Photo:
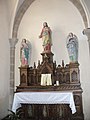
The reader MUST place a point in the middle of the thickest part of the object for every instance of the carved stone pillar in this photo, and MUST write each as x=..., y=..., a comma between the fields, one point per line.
x=13, y=42
x=87, y=33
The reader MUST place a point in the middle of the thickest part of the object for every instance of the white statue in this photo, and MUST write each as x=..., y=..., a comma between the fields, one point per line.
x=72, y=46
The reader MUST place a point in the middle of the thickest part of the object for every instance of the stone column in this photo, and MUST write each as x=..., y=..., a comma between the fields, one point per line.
x=87, y=33
x=13, y=42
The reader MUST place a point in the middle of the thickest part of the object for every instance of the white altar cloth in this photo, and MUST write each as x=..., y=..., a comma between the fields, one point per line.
x=46, y=79
x=43, y=98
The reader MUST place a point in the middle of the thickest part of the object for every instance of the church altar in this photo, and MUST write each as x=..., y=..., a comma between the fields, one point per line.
x=50, y=91
x=43, y=98
x=35, y=80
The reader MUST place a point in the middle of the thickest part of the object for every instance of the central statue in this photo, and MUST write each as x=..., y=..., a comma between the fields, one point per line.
x=46, y=37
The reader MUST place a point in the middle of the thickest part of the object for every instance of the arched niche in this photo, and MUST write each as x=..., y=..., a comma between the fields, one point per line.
x=62, y=16
x=81, y=22
x=22, y=8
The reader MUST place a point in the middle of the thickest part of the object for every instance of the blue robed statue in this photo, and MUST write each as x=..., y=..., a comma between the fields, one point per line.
x=72, y=46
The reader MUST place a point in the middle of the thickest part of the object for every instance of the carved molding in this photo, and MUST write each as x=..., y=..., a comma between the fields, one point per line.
x=49, y=88
x=87, y=33
x=13, y=42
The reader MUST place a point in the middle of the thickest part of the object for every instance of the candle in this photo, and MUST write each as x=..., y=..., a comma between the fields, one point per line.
x=57, y=83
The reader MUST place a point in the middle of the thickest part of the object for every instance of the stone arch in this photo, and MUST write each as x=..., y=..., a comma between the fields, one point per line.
x=25, y=5
x=80, y=8
x=21, y=11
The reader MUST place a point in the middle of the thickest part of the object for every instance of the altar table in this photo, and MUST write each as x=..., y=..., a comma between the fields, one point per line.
x=43, y=98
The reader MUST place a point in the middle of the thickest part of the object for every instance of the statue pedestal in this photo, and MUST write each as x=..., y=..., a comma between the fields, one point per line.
x=24, y=72
x=48, y=56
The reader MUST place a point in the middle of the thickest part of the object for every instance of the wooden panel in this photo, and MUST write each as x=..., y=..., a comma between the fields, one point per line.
x=69, y=79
